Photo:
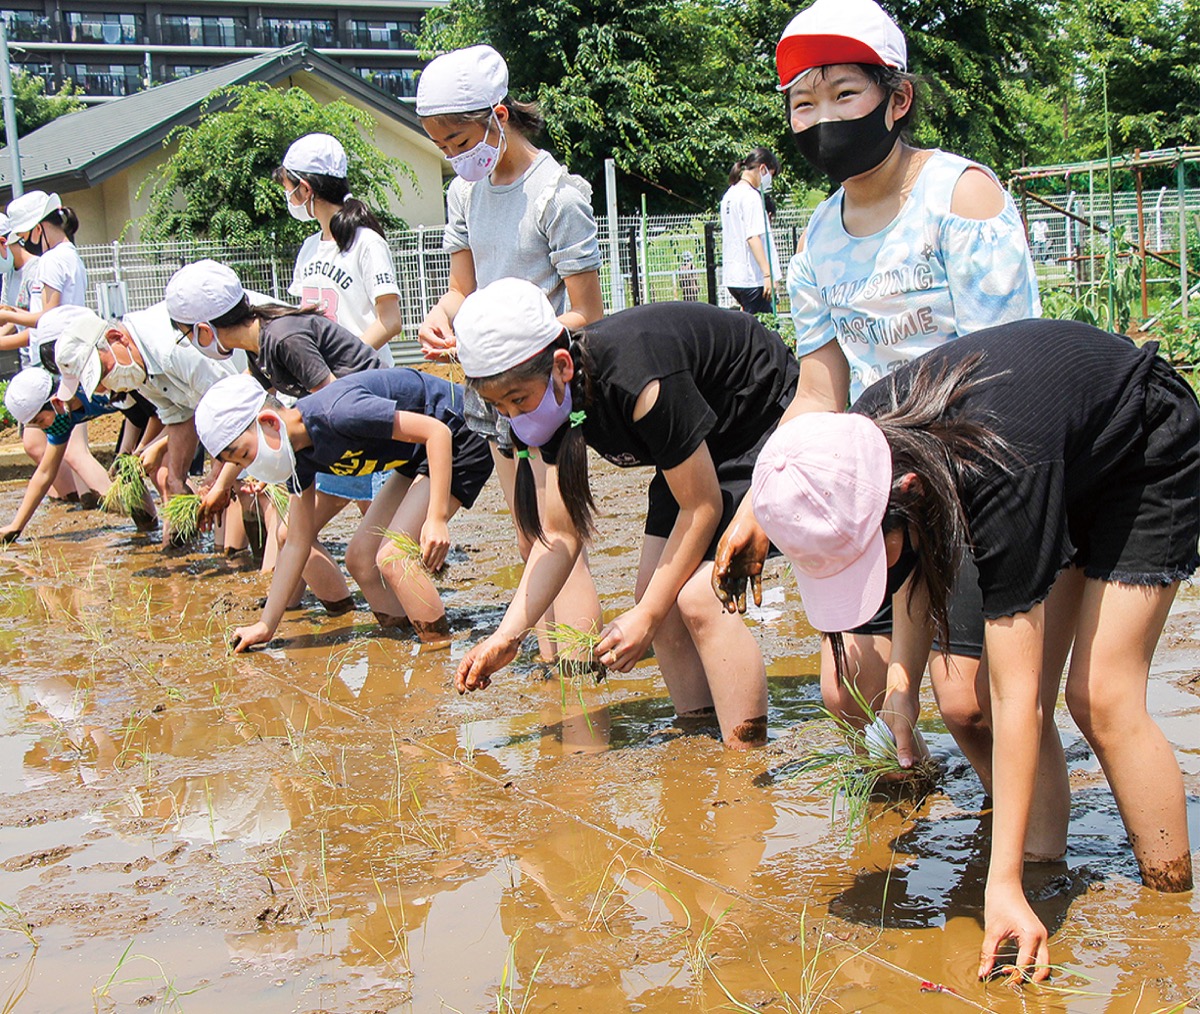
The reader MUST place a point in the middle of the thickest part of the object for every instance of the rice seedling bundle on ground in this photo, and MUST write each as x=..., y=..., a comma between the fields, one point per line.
x=853, y=773
x=182, y=512
x=128, y=488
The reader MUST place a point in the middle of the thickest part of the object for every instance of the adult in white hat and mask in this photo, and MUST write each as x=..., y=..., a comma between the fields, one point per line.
x=915, y=249
x=511, y=211
x=142, y=353
x=686, y=388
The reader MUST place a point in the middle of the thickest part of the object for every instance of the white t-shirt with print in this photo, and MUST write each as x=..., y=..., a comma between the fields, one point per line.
x=346, y=283
x=742, y=217
x=63, y=270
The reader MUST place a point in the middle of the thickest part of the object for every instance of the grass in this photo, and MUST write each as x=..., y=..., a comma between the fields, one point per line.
x=128, y=489
x=508, y=1000
x=852, y=773
x=171, y=996
x=182, y=513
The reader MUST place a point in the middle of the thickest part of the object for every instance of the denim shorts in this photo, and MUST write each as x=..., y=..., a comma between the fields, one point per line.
x=351, y=487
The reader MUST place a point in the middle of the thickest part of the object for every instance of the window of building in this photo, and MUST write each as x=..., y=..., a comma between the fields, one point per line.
x=175, y=71
x=382, y=34
x=110, y=28
x=30, y=26
x=400, y=83
x=106, y=79
x=289, y=31
x=202, y=30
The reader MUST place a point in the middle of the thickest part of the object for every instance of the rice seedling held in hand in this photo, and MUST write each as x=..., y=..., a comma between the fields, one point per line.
x=853, y=775
x=577, y=659
x=182, y=512
x=128, y=489
x=406, y=551
x=279, y=498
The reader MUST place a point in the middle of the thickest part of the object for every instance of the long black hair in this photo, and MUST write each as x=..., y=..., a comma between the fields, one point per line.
x=244, y=311
x=352, y=214
x=568, y=444
x=932, y=440
x=758, y=157
x=66, y=219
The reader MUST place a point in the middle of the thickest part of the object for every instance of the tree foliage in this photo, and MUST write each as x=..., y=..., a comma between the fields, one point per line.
x=217, y=184
x=34, y=108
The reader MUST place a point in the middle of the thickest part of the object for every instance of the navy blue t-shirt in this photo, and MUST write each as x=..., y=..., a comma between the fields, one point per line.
x=350, y=422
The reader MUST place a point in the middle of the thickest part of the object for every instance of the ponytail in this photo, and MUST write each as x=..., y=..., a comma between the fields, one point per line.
x=66, y=219
x=758, y=157
x=352, y=214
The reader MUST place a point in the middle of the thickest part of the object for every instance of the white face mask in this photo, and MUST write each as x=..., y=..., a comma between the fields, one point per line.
x=477, y=162
x=764, y=180
x=299, y=211
x=123, y=376
x=273, y=464
x=214, y=349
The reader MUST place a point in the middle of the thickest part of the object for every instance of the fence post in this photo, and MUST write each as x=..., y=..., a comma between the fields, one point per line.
x=116, y=252
x=1183, y=244
x=421, y=268
x=615, y=279
x=1141, y=227
x=710, y=260
x=274, y=270
x=635, y=287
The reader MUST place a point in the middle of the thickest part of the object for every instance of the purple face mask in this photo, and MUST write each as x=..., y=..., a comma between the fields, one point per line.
x=537, y=427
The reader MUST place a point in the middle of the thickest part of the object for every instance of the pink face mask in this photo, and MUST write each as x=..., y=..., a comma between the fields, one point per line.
x=537, y=427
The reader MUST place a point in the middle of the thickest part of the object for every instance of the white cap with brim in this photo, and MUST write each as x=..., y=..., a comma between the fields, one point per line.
x=503, y=324
x=30, y=208
x=76, y=355
x=27, y=393
x=463, y=81
x=317, y=153
x=52, y=323
x=202, y=291
x=227, y=410
x=838, y=31
x=5, y=226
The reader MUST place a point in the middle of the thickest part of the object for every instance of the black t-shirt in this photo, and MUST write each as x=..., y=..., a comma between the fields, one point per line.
x=1068, y=398
x=723, y=378
x=297, y=352
x=350, y=422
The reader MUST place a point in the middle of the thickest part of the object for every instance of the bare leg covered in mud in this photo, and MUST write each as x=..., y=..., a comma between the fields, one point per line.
x=1118, y=629
x=708, y=657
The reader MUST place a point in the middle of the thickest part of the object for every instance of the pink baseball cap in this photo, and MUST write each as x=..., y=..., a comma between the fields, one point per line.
x=820, y=490
x=838, y=31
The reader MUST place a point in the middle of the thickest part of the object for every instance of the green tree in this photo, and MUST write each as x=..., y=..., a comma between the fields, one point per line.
x=218, y=183
x=34, y=107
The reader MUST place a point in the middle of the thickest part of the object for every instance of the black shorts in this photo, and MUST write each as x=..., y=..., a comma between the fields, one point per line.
x=966, y=615
x=733, y=478
x=752, y=299
x=1143, y=527
x=471, y=469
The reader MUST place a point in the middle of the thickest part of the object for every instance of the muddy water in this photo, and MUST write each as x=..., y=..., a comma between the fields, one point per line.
x=326, y=826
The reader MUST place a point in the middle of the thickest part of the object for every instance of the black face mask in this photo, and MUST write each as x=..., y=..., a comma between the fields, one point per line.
x=33, y=247
x=845, y=148
x=898, y=573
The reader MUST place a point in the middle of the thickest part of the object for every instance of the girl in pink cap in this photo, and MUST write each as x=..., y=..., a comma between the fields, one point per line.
x=915, y=249
x=1068, y=460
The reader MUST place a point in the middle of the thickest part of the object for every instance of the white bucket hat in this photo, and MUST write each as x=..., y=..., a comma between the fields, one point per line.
x=503, y=324
x=27, y=392
x=462, y=82
x=202, y=291
x=317, y=153
x=30, y=208
x=227, y=410
x=76, y=355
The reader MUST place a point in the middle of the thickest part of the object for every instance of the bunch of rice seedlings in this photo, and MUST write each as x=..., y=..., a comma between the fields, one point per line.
x=182, y=512
x=128, y=488
x=576, y=659
x=852, y=774
x=279, y=498
x=406, y=551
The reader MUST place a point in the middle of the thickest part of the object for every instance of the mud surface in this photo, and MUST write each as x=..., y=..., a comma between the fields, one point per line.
x=326, y=826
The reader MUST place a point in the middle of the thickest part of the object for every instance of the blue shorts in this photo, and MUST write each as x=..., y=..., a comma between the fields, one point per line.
x=351, y=487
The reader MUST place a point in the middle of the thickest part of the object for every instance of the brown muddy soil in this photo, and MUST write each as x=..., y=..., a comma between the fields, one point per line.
x=326, y=826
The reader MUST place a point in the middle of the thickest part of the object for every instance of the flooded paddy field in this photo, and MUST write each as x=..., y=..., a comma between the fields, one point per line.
x=326, y=826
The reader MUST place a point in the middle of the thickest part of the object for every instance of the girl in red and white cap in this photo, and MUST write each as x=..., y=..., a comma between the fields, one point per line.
x=1068, y=460
x=916, y=248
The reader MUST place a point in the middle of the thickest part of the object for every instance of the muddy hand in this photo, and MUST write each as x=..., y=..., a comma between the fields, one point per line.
x=739, y=561
x=437, y=339
x=8, y=535
x=245, y=638
x=899, y=715
x=476, y=668
x=1007, y=916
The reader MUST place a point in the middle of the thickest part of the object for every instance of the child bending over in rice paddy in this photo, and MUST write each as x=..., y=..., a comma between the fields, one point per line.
x=686, y=388
x=399, y=421
x=1068, y=461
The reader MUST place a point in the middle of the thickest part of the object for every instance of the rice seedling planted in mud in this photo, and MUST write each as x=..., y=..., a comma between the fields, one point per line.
x=128, y=488
x=182, y=512
x=853, y=772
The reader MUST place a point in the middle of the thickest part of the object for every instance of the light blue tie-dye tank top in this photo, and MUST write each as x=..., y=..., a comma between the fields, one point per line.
x=927, y=278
